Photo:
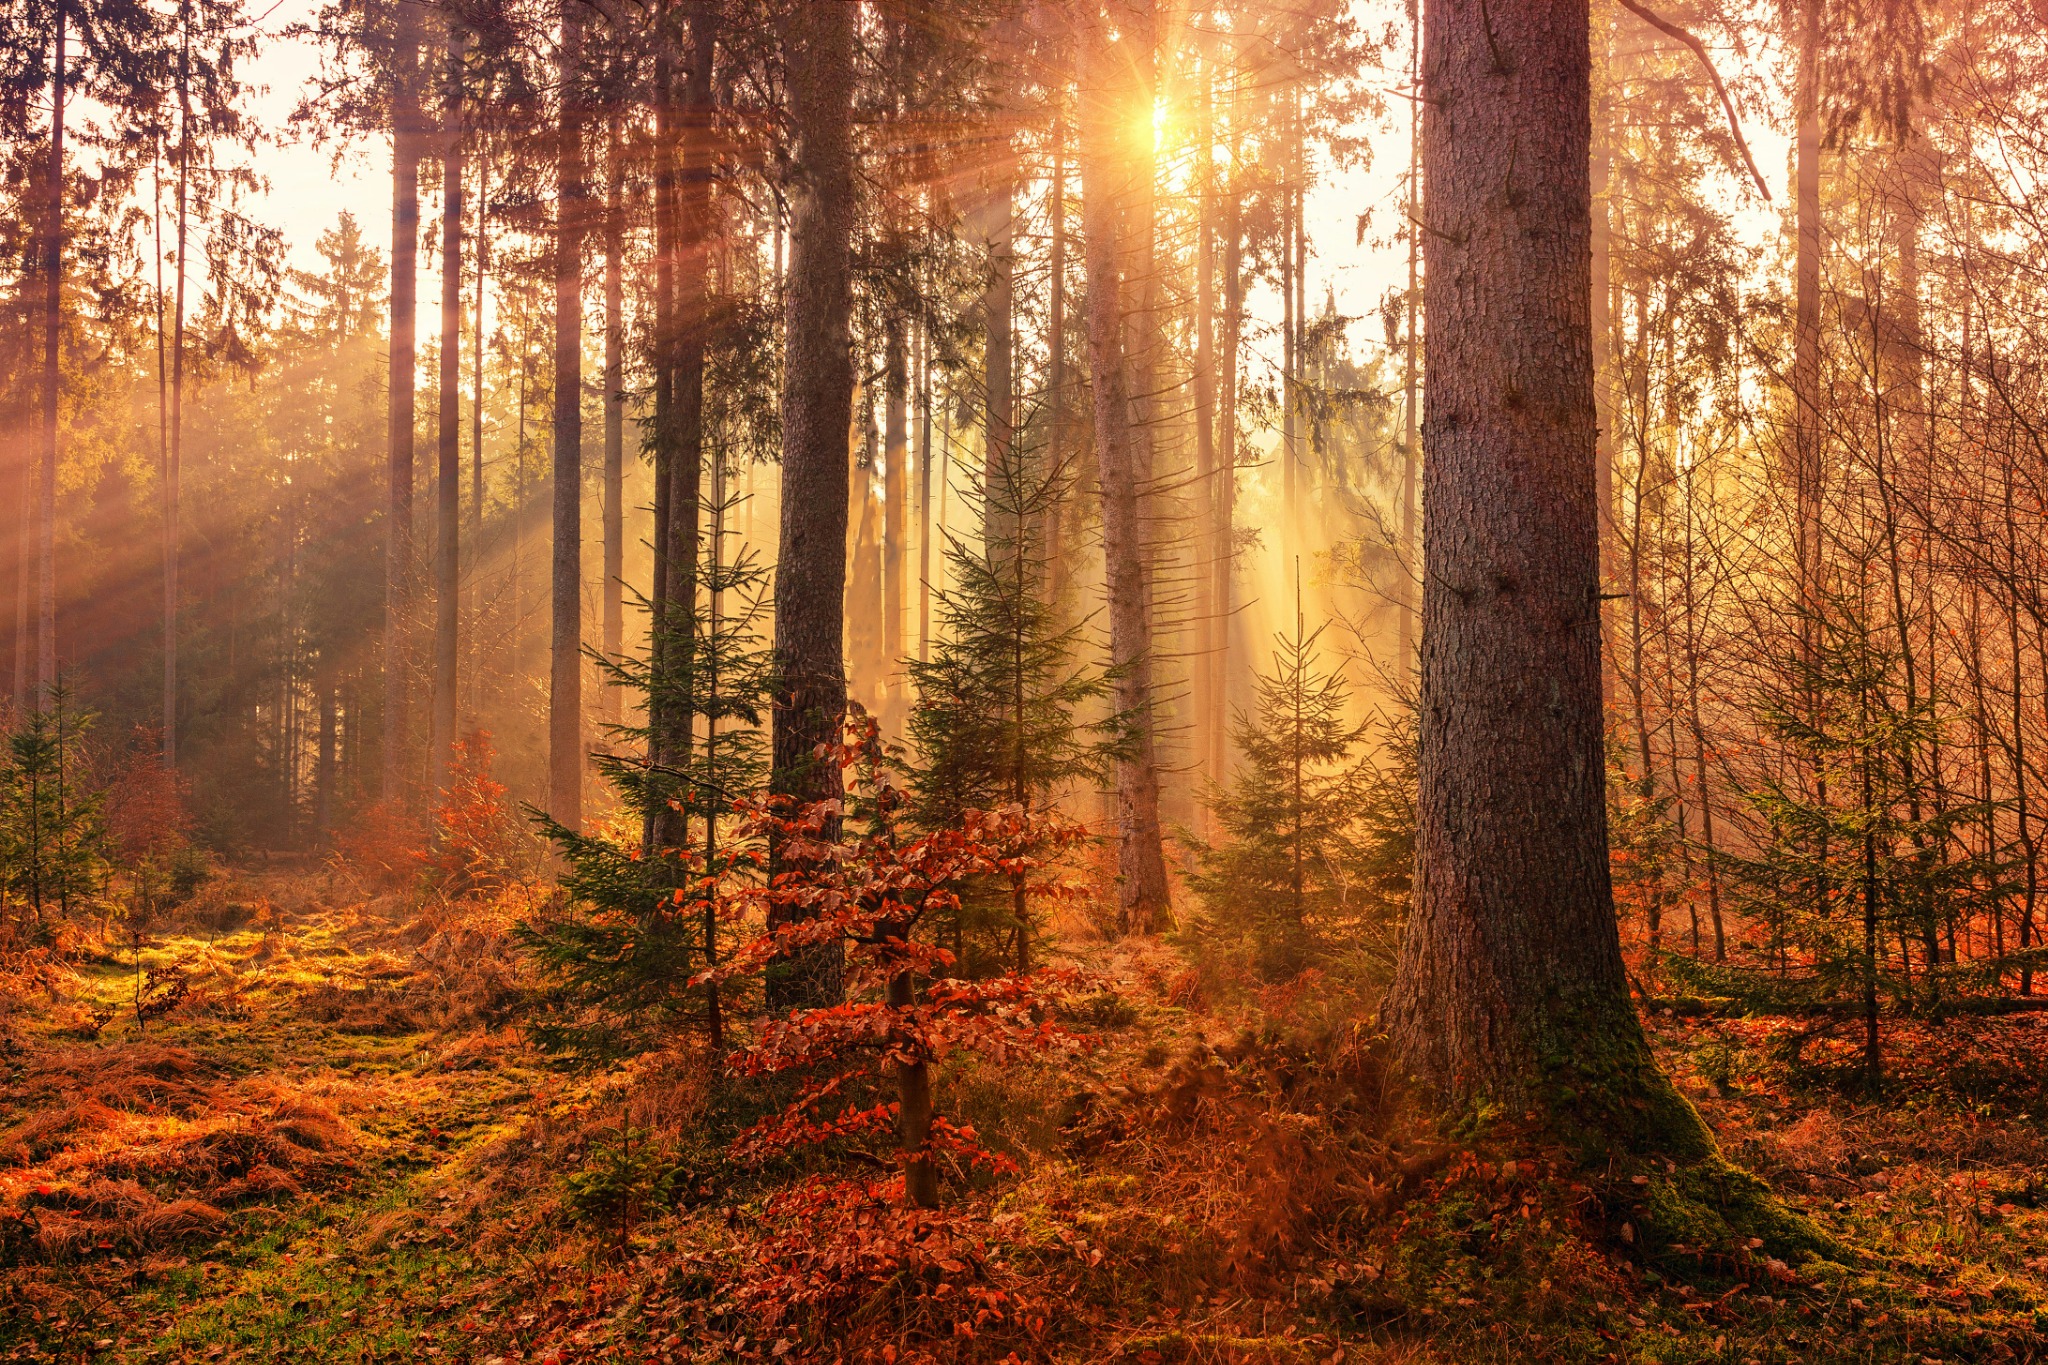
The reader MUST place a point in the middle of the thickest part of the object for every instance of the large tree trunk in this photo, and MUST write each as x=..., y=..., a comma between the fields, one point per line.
x=565, y=660
x=817, y=411
x=405, y=245
x=1108, y=179
x=1510, y=985
x=53, y=330
x=448, y=485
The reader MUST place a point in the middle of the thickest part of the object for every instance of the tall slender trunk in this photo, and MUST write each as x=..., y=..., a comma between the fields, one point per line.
x=1056, y=356
x=1203, y=382
x=998, y=300
x=657, y=829
x=398, y=536
x=1696, y=724
x=1512, y=963
x=924, y=495
x=448, y=481
x=1110, y=178
x=174, y=453
x=817, y=411
x=476, y=425
x=1226, y=453
x=896, y=483
x=682, y=436
x=1290, y=473
x=53, y=328
x=1806, y=425
x=324, y=764
x=1411, y=450
x=614, y=592
x=565, y=655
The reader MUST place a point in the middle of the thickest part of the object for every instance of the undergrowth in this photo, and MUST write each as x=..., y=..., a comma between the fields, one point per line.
x=339, y=1146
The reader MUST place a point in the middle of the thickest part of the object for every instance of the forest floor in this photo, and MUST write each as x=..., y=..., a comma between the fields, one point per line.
x=333, y=1143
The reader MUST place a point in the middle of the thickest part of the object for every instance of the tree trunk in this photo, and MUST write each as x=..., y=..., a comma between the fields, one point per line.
x=1056, y=359
x=1510, y=985
x=914, y=1109
x=174, y=450
x=1226, y=451
x=448, y=484
x=565, y=671
x=324, y=765
x=1411, y=451
x=817, y=411
x=896, y=484
x=924, y=495
x=1806, y=426
x=53, y=330
x=476, y=426
x=1603, y=236
x=405, y=243
x=1108, y=180
x=682, y=435
x=613, y=594
x=1203, y=383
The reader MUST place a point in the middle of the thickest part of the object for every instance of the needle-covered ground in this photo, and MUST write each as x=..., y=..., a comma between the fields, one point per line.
x=327, y=1139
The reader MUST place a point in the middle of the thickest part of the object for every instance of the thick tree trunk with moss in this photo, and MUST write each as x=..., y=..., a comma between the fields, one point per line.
x=1511, y=988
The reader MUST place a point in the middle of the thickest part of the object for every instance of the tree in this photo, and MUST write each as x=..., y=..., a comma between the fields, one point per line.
x=565, y=652
x=53, y=845
x=1849, y=847
x=996, y=721
x=448, y=480
x=407, y=139
x=632, y=951
x=817, y=410
x=1111, y=181
x=1510, y=989
x=1298, y=870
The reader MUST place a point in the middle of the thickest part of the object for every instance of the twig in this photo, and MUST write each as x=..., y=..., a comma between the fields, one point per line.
x=1665, y=26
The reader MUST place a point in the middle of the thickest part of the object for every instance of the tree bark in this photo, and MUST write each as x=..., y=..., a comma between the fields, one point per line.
x=1806, y=433
x=398, y=538
x=1107, y=182
x=682, y=435
x=817, y=412
x=53, y=330
x=448, y=508
x=895, y=487
x=1226, y=449
x=1510, y=985
x=565, y=671
x=613, y=595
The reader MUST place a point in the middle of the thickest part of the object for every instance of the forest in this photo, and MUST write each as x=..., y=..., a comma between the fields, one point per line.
x=1014, y=681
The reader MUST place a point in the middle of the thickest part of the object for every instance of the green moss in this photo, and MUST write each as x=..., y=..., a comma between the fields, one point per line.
x=1712, y=1203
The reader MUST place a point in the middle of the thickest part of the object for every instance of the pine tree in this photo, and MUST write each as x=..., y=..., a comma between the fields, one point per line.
x=635, y=927
x=53, y=843
x=997, y=720
x=1317, y=836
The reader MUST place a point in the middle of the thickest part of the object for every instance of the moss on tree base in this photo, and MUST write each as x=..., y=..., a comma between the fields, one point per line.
x=1598, y=1093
